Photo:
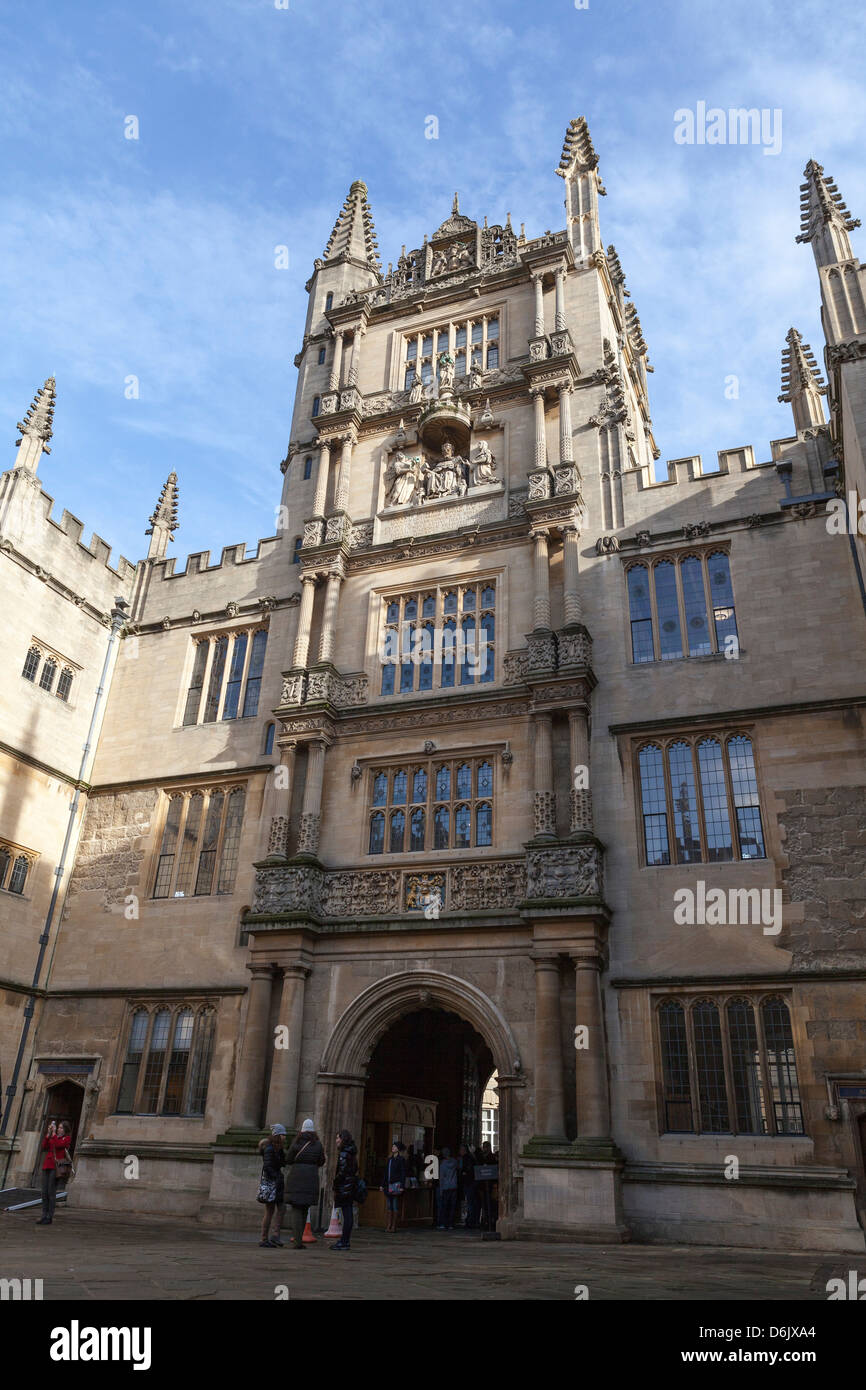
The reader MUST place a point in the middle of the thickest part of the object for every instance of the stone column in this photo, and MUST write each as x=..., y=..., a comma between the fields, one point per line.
x=549, y=1097
x=283, y=1091
x=542, y=581
x=329, y=617
x=593, y=1103
x=559, y=321
x=341, y=500
x=305, y=618
x=566, y=444
x=355, y=357
x=545, y=797
x=538, y=282
x=337, y=364
x=280, y=799
x=250, y=1075
x=571, y=575
x=537, y=394
x=311, y=810
x=581, y=797
x=321, y=493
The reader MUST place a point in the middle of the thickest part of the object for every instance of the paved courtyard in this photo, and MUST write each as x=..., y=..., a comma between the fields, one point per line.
x=91, y=1255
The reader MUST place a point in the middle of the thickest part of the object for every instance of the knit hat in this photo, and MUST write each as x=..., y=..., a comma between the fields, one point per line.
x=308, y=1127
x=278, y=1129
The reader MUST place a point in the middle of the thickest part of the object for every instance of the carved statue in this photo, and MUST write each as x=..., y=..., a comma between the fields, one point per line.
x=447, y=477
x=446, y=371
x=483, y=465
x=476, y=376
x=416, y=393
x=405, y=481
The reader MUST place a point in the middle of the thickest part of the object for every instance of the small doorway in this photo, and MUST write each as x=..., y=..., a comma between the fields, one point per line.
x=63, y=1101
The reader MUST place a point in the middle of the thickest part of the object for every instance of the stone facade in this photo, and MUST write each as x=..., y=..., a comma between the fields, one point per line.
x=275, y=832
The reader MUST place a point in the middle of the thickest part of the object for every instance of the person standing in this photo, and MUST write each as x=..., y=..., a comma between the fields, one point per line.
x=448, y=1168
x=395, y=1184
x=345, y=1185
x=272, y=1150
x=54, y=1147
x=304, y=1159
x=468, y=1185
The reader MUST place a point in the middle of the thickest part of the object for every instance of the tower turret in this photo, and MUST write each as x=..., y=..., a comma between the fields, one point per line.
x=802, y=385
x=824, y=219
x=578, y=165
x=164, y=520
x=36, y=428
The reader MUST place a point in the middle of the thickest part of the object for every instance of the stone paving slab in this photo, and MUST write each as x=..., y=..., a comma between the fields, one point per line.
x=87, y=1255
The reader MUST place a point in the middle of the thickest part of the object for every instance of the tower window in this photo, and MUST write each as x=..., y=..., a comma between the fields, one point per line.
x=329, y=301
x=198, y=852
x=308, y=467
x=229, y=666
x=296, y=553
x=443, y=812
x=669, y=600
x=705, y=789
x=317, y=401
x=321, y=355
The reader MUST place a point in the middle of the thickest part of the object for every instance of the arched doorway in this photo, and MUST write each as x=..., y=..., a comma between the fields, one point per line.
x=63, y=1101
x=409, y=1034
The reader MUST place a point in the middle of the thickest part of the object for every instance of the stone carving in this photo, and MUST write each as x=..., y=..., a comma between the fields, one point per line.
x=804, y=510
x=474, y=887
x=294, y=688
x=538, y=349
x=755, y=519
x=485, y=419
x=361, y=894
x=166, y=624
x=544, y=813
x=580, y=809
x=343, y=692
x=422, y=889
x=541, y=652
x=606, y=545
x=539, y=485
x=356, y=773
x=295, y=888
x=308, y=833
x=482, y=465
x=429, y=746
x=575, y=648
x=406, y=480
x=694, y=529
x=564, y=871
x=458, y=256
x=350, y=399
x=335, y=529
x=361, y=535
x=312, y=534
x=447, y=477
x=560, y=343
x=516, y=500
x=515, y=667
x=443, y=514
x=565, y=479
x=232, y=609
x=642, y=537
x=278, y=837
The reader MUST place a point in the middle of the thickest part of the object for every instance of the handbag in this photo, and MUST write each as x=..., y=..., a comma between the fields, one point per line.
x=395, y=1189
x=267, y=1190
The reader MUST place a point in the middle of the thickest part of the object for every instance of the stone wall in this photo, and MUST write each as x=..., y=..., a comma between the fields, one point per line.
x=113, y=844
x=825, y=843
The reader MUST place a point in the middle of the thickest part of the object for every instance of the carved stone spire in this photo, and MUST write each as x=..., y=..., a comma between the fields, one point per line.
x=354, y=235
x=824, y=219
x=578, y=165
x=802, y=385
x=36, y=428
x=164, y=520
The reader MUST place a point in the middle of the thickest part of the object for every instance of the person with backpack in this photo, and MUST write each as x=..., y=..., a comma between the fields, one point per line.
x=55, y=1146
x=304, y=1159
x=448, y=1172
x=271, y=1185
x=345, y=1185
x=395, y=1184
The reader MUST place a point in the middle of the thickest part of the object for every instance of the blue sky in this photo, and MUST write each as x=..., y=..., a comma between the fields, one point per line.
x=155, y=257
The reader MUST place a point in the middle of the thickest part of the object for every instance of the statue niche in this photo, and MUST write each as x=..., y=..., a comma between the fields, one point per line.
x=413, y=481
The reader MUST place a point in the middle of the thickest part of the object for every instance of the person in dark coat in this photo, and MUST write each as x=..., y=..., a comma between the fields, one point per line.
x=345, y=1185
x=304, y=1159
x=396, y=1172
x=273, y=1155
x=468, y=1186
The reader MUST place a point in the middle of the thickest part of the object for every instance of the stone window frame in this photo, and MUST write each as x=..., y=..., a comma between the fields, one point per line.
x=677, y=557
x=12, y=856
x=200, y=1038
x=187, y=854
x=63, y=667
x=429, y=763
x=693, y=738
x=380, y=600
x=189, y=704
x=766, y=1104
x=403, y=362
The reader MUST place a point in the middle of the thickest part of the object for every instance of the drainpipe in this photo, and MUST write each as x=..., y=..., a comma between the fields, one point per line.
x=118, y=619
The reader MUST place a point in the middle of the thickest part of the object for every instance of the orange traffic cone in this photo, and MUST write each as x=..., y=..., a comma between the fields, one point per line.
x=335, y=1229
x=308, y=1238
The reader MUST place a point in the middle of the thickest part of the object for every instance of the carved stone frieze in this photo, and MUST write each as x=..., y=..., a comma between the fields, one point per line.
x=606, y=545
x=575, y=647
x=566, y=479
x=422, y=719
x=564, y=871
x=336, y=528
x=312, y=534
x=278, y=837
x=541, y=651
x=294, y=688
x=693, y=530
x=361, y=535
x=539, y=485
x=515, y=667
x=423, y=890
x=474, y=887
x=516, y=499
x=295, y=888
x=580, y=809
x=365, y=894
x=308, y=833
x=544, y=813
x=343, y=692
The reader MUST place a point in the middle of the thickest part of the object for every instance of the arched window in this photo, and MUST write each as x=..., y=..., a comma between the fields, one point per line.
x=18, y=876
x=189, y=841
x=64, y=684
x=667, y=608
x=5, y=861
x=715, y=799
x=747, y=809
x=467, y=666
x=296, y=552
x=722, y=598
x=687, y=830
x=236, y=671
x=449, y=645
x=483, y=823
x=193, y=698
x=168, y=848
x=329, y=301
x=416, y=830
x=710, y=1067
x=317, y=401
x=449, y=601
x=750, y=1111
x=380, y=789
x=178, y=1062
x=254, y=674
x=132, y=1062
x=201, y=1060
x=231, y=840
x=398, y=831
x=782, y=1066
x=640, y=613
x=31, y=664
x=308, y=467
x=377, y=833
x=398, y=791
x=155, y=1063
x=487, y=651
x=695, y=605
x=654, y=805
x=443, y=783
x=462, y=827
x=676, y=1085
x=321, y=355
x=441, y=827
x=484, y=779
x=464, y=780
x=270, y=730
x=492, y=356
x=49, y=670
x=428, y=607
x=217, y=671
x=419, y=785
x=208, y=845
x=425, y=669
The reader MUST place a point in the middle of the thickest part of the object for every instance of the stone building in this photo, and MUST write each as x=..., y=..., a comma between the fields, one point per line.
x=500, y=755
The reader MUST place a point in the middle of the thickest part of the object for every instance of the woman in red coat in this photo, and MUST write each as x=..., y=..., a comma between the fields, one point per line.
x=55, y=1145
